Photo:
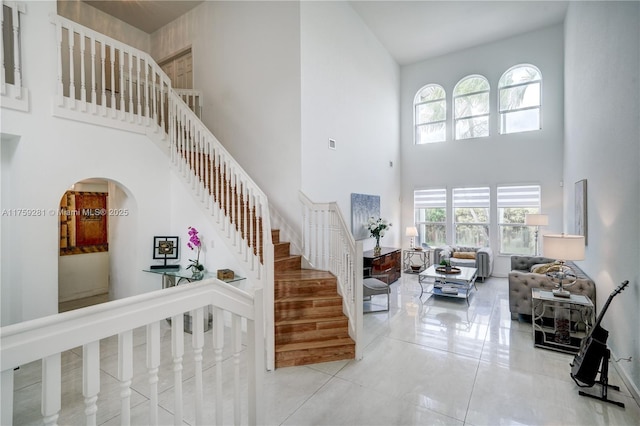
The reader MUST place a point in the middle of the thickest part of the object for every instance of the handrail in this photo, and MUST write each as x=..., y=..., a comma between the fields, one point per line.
x=327, y=244
x=46, y=338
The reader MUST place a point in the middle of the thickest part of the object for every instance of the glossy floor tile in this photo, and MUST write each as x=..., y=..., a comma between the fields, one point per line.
x=427, y=361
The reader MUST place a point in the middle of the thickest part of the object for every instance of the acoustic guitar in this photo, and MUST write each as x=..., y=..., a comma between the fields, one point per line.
x=586, y=363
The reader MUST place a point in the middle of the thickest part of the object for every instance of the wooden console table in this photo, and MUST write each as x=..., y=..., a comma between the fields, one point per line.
x=386, y=266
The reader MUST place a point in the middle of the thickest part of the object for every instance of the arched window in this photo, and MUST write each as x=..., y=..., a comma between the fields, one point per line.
x=519, y=99
x=430, y=109
x=471, y=107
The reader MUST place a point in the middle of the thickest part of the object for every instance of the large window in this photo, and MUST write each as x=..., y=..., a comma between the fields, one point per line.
x=471, y=107
x=430, y=207
x=513, y=203
x=430, y=114
x=519, y=99
x=471, y=216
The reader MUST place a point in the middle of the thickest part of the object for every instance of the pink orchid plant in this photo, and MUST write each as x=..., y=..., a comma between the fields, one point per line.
x=195, y=243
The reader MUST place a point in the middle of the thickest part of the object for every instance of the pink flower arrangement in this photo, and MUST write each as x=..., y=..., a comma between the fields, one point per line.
x=195, y=243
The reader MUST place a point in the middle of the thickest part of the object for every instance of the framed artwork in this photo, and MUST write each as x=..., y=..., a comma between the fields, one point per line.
x=83, y=223
x=581, y=209
x=363, y=207
x=165, y=248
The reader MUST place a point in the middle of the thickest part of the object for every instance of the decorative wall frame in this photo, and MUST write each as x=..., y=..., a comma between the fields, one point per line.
x=165, y=248
x=581, y=218
x=363, y=207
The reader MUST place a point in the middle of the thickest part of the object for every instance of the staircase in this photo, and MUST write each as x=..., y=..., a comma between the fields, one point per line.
x=310, y=326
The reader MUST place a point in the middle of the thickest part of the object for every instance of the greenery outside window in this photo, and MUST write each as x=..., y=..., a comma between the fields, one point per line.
x=513, y=203
x=471, y=108
x=519, y=99
x=430, y=109
x=430, y=210
x=471, y=216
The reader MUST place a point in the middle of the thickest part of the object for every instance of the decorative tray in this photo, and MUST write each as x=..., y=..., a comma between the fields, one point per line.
x=452, y=270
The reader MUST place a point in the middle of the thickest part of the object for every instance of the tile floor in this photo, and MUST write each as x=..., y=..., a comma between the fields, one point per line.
x=426, y=361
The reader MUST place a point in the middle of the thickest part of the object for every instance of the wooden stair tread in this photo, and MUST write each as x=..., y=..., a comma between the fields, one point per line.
x=307, y=298
x=298, y=274
x=343, y=341
x=309, y=320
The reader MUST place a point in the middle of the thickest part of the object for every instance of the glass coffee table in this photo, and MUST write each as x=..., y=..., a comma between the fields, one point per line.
x=457, y=282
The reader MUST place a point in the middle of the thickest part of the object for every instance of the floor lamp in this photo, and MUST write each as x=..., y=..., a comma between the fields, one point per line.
x=536, y=220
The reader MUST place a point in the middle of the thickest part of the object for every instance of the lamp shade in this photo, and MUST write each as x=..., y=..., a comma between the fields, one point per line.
x=411, y=231
x=536, y=219
x=563, y=246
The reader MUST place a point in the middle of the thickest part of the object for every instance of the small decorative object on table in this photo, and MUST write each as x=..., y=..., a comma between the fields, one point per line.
x=225, y=274
x=377, y=228
x=194, y=243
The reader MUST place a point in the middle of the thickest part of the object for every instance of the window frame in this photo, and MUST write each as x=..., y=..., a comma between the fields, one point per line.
x=455, y=96
x=417, y=125
x=467, y=203
x=502, y=113
x=439, y=201
x=527, y=205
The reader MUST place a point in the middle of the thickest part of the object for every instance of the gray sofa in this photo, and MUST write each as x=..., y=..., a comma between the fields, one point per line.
x=522, y=280
x=483, y=260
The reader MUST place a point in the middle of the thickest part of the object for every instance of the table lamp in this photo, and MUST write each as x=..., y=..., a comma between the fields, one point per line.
x=411, y=232
x=563, y=247
x=536, y=220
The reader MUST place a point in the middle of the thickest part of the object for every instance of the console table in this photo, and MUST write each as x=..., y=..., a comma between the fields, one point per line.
x=386, y=266
x=169, y=277
x=551, y=319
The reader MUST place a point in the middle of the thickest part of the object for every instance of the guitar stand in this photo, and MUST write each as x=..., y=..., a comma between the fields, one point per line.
x=604, y=382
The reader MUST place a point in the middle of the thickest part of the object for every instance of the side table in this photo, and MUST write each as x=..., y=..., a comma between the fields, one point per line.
x=560, y=323
x=416, y=258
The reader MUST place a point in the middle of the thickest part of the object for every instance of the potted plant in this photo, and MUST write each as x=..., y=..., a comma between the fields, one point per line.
x=197, y=269
x=377, y=228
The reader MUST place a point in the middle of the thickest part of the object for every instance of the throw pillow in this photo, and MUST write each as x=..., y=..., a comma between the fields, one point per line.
x=465, y=255
x=542, y=268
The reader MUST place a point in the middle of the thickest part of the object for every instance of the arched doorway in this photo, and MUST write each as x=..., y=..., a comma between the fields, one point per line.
x=86, y=230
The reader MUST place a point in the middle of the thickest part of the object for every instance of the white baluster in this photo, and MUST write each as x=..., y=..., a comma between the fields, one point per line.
x=122, y=85
x=94, y=99
x=6, y=403
x=177, y=350
x=236, y=324
x=140, y=90
x=17, y=71
x=91, y=379
x=130, y=76
x=72, y=83
x=255, y=361
x=60, y=93
x=125, y=373
x=153, y=362
x=103, y=72
x=218, y=345
x=51, y=389
x=3, y=78
x=112, y=65
x=83, y=86
x=197, y=335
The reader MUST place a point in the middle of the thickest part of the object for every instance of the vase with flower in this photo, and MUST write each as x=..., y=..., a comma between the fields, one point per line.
x=197, y=269
x=377, y=228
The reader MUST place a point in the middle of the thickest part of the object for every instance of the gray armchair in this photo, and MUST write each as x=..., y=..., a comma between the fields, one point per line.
x=483, y=258
x=372, y=286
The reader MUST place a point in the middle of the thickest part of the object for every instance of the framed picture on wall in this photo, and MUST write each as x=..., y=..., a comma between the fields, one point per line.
x=581, y=209
x=363, y=207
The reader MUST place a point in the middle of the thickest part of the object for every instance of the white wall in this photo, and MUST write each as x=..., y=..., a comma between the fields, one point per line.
x=603, y=146
x=522, y=158
x=246, y=60
x=350, y=94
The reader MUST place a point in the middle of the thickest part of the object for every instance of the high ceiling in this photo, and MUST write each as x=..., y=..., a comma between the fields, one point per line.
x=410, y=30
